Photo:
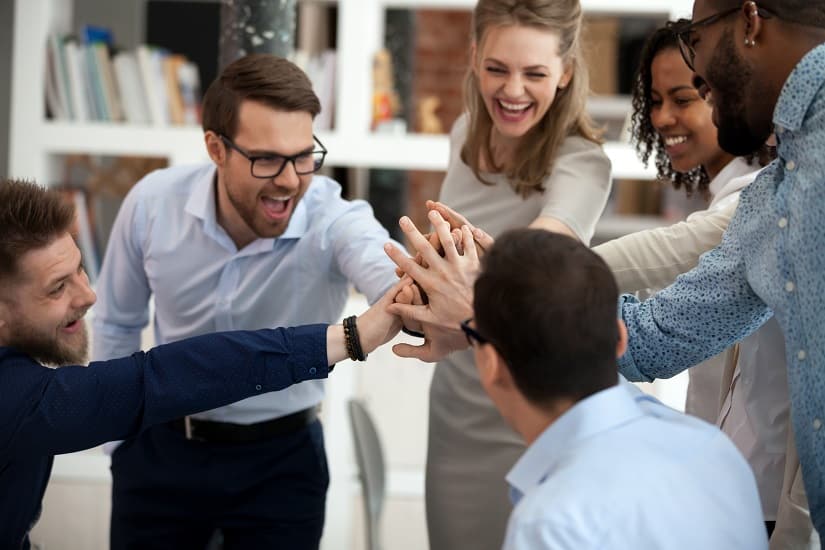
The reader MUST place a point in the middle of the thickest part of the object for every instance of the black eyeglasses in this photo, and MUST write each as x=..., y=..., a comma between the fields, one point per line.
x=471, y=333
x=684, y=30
x=271, y=166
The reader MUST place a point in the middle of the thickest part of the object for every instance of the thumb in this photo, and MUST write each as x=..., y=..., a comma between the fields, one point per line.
x=408, y=351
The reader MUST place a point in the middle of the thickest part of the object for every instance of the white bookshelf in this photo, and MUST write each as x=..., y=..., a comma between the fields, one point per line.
x=360, y=30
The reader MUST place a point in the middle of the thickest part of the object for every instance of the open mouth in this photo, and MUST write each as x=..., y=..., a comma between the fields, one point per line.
x=73, y=326
x=276, y=208
x=513, y=111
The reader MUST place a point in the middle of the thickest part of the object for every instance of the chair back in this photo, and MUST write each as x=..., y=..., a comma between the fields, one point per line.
x=370, y=458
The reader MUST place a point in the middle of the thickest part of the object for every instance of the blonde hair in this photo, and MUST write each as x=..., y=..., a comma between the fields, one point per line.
x=566, y=116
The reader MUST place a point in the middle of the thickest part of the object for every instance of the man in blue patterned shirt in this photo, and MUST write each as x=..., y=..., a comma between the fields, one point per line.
x=764, y=67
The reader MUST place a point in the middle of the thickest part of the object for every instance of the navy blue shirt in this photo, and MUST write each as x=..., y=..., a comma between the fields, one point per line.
x=46, y=411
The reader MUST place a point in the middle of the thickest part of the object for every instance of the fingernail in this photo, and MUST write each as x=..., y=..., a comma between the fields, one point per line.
x=404, y=222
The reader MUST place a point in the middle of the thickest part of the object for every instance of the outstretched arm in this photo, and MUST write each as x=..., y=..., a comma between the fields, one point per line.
x=71, y=408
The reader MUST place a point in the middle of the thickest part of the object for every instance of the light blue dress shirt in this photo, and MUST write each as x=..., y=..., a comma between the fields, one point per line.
x=166, y=243
x=620, y=470
x=771, y=260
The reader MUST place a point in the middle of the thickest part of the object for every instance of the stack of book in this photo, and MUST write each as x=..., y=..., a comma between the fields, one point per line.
x=148, y=85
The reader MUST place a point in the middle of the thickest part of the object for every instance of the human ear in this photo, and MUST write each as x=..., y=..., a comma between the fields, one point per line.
x=566, y=76
x=496, y=374
x=621, y=345
x=474, y=63
x=754, y=23
x=215, y=147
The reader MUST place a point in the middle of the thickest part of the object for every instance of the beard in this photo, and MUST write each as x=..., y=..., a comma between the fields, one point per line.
x=731, y=80
x=46, y=348
x=247, y=209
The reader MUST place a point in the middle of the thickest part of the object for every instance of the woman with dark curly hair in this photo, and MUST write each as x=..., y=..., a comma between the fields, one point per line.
x=744, y=389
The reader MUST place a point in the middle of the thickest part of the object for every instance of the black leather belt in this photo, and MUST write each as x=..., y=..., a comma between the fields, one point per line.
x=210, y=431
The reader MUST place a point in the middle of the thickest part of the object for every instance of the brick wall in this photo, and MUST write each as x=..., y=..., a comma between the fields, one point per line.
x=440, y=59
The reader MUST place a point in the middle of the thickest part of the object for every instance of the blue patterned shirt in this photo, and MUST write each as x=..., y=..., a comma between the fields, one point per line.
x=771, y=262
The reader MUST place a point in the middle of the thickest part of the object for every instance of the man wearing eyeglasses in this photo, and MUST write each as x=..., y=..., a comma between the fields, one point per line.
x=252, y=239
x=606, y=466
x=763, y=64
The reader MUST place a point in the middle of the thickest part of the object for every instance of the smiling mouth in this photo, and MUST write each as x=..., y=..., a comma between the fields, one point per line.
x=513, y=108
x=673, y=141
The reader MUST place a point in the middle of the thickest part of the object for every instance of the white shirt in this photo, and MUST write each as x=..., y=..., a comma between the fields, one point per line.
x=620, y=470
x=703, y=394
x=166, y=242
x=756, y=410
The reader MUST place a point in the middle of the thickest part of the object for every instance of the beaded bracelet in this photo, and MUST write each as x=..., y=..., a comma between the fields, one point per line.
x=353, y=342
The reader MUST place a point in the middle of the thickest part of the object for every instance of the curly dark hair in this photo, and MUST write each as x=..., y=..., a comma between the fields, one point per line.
x=647, y=140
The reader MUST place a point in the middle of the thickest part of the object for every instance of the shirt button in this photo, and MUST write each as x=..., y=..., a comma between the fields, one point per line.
x=258, y=387
x=801, y=355
x=789, y=286
x=817, y=424
x=783, y=222
x=790, y=165
x=313, y=370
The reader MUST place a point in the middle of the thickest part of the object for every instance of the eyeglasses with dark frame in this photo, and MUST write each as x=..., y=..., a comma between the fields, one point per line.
x=684, y=30
x=471, y=333
x=271, y=166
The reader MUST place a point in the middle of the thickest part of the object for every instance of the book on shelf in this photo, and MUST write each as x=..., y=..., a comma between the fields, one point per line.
x=147, y=85
x=58, y=98
x=127, y=75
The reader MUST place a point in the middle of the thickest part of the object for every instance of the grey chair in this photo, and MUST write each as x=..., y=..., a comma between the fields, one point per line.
x=370, y=459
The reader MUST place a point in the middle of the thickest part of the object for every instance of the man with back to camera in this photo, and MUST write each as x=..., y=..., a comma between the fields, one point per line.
x=44, y=296
x=607, y=466
x=249, y=240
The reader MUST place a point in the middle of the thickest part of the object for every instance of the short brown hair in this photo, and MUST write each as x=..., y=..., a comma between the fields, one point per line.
x=549, y=306
x=266, y=78
x=31, y=217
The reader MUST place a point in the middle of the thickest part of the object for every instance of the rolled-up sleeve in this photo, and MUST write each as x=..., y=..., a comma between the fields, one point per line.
x=704, y=311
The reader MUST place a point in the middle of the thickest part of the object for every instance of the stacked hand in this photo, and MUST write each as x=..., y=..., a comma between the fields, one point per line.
x=447, y=283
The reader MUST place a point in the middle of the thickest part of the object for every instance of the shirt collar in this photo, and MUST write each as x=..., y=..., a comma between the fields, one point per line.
x=736, y=175
x=800, y=90
x=201, y=204
x=593, y=415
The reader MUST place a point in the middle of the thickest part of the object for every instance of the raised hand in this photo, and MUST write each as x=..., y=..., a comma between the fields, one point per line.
x=483, y=240
x=447, y=282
